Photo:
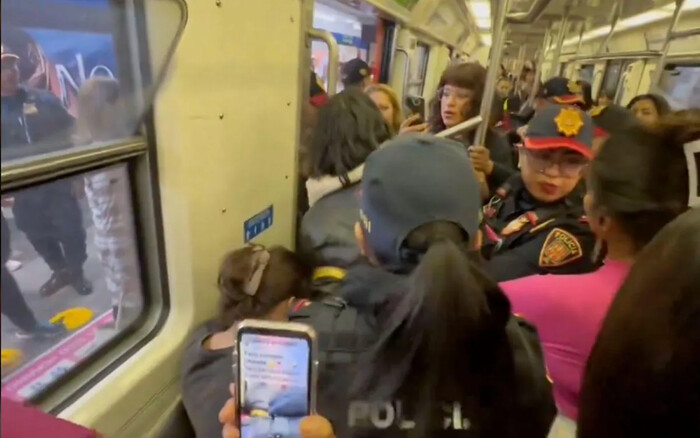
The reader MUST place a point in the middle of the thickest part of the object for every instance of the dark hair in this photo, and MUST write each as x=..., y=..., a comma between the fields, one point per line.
x=661, y=104
x=643, y=375
x=284, y=277
x=469, y=75
x=640, y=176
x=587, y=94
x=349, y=128
x=443, y=339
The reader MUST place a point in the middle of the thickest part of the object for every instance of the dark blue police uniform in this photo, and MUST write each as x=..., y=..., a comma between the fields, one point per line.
x=525, y=236
x=34, y=122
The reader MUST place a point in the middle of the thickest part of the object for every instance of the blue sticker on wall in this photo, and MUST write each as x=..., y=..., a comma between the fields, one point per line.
x=257, y=224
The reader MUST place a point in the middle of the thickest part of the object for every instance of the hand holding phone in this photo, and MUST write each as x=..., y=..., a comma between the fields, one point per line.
x=275, y=371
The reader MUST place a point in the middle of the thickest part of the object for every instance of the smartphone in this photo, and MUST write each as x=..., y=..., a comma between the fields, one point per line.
x=416, y=105
x=275, y=370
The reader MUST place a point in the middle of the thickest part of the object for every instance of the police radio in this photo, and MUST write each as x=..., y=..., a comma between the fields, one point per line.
x=275, y=370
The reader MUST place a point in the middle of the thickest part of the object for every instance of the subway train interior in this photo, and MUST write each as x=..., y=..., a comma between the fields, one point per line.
x=203, y=155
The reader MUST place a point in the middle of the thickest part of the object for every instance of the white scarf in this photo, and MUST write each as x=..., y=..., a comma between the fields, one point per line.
x=317, y=188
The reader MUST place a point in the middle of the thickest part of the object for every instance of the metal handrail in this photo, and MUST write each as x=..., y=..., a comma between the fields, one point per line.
x=499, y=34
x=560, y=42
x=638, y=54
x=333, y=57
x=406, y=70
x=658, y=72
x=616, y=11
x=465, y=126
x=536, y=10
x=538, y=67
x=685, y=33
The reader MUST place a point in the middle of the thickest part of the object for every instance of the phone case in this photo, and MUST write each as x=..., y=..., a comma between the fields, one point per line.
x=261, y=325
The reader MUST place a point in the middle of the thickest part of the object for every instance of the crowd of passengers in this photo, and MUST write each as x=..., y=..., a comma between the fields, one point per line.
x=548, y=281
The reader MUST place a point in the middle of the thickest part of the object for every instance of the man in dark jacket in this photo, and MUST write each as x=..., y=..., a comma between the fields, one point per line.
x=34, y=122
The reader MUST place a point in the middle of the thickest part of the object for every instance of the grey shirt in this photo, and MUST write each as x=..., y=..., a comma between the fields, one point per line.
x=205, y=379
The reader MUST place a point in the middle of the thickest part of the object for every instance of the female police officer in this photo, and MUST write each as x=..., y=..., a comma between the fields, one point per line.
x=535, y=223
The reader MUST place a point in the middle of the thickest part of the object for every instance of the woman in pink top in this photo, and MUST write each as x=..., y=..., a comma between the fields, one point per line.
x=637, y=183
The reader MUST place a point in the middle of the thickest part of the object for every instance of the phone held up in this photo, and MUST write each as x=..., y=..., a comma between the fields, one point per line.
x=275, y=369
x=416, y=105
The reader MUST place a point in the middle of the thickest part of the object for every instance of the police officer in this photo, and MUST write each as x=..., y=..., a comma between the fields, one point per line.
x=35, y=122
x=535, y=223
x=557, y=90
x=356, y=73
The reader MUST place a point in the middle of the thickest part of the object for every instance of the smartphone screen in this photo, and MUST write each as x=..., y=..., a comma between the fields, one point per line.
x=274, y=382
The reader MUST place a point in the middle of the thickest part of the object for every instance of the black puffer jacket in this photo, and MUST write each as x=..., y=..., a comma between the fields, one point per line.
x=353, y=325
x=328, y=227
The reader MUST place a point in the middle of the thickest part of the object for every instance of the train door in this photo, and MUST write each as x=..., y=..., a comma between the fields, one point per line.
x=358, y=33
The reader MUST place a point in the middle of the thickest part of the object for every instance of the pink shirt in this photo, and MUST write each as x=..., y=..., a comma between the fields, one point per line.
x=568, y=311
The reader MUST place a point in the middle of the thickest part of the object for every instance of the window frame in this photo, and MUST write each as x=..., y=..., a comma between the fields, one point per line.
x=140, y=155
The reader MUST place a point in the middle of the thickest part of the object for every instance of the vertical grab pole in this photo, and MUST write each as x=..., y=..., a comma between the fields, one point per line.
x=521, y=58
x=560, y=42
x=658, y=72
x=333, y=57
x=614, y=17
x=580, y=38
x=499, y=33
x=406, y=71
x=538, y=66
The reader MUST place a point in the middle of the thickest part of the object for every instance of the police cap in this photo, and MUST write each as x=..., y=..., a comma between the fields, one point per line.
x=411, y=181
x=557, y=126
x=563, y=91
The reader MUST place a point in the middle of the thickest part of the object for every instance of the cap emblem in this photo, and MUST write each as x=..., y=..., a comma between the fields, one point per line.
x=363, y=71
x=569, y=122
x=596, y=111
x=574, y=88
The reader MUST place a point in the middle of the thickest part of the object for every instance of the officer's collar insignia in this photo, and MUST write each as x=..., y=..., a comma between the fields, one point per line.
x=560, y=248
x=596, y=111
x=569, y=122
x=29, y=108
x=574, y=88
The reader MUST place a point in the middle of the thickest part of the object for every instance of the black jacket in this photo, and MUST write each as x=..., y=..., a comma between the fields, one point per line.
x=34, y=122
x=328, y=229
x=525, y=237
x=347, y=326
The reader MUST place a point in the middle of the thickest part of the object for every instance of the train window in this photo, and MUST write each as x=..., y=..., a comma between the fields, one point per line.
x=77, y=80
x=612, y=76
x=70, y=275
x=681, y=86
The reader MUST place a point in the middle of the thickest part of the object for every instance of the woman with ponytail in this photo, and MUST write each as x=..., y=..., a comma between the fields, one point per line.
x=637, y=183
x=254, y=282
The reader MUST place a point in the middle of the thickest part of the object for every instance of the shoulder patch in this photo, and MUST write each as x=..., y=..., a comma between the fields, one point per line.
x=560, y=248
